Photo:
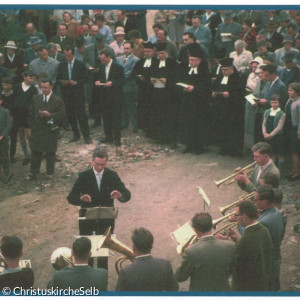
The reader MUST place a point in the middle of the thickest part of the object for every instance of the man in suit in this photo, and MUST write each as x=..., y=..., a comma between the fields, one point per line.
x=109, y=81
x=31, y=32
x=264, y=165
x=80, y=275
x=45, y=116
x=280, y=53
x=274, y=39
x=62, y=38
x=146, y=273
x=162, y=39
x=125, y=22
x=130, y=87
x=53, y=52
x=72, y=75
x=98, y=186
x=13, y=276
x=291, y=72
x=271, y=218
x=209, y=262
x=31, y=52
x=201, y=32
x=253, y=251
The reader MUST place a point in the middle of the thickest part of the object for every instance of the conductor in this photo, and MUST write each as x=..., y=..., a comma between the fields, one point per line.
x=98, y=186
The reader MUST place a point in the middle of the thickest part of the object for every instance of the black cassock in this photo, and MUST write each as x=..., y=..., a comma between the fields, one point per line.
x=228, y=114
x=195, y=109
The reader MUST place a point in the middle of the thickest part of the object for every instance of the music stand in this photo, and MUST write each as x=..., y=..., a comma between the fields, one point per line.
x=98, y=213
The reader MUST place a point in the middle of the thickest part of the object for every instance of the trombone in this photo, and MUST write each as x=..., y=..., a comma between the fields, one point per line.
x=225, y=228
x=231, y=179
x=229, y=206
x=217, y=221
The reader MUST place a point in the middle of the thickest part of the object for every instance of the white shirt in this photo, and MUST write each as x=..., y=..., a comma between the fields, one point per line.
x=147, y=63
x=261, y=168
x=25, y=87
x=273, y=82
x=47, y=97
x=274, y=111
x=98, y=176
x=224, y=80
x=70, y=67
x=11, y=58
x=107, y=68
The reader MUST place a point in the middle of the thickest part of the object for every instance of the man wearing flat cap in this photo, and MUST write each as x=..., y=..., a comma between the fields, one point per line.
x=31, y=53
x=280, y=53
x=290, y=73
x=195, y=100
x=228, y=110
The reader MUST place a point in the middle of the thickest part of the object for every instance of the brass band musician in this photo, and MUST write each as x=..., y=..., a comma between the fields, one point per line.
x=262, y=155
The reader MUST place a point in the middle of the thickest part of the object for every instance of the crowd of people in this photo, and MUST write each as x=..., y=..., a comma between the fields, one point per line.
x=223, y=78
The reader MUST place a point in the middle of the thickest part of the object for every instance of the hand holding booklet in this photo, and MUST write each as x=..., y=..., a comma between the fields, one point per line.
x=251, y=99
x=184, y=85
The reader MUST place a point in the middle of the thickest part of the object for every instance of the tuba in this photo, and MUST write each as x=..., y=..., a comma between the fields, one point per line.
x=112, y=243
x=61, y=258
x=231, y=179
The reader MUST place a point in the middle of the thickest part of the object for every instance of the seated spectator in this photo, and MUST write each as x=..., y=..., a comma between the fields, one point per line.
x=13, y=275
x=81, y=275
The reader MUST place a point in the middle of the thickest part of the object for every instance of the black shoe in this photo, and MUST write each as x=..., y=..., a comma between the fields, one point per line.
x=26, y=161
x=74, y=139
x=118, y=143
x=105, y=140
x=13, y=160
x=87, y=140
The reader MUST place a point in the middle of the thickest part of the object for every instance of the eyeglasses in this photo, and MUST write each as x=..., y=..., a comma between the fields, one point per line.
x=237, y=215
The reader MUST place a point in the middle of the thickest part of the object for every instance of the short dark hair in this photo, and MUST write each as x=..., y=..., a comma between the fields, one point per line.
x=100, y=153
x=275, y=97
x=262, y=148
x=271, y=179
x=142, y=239
x=202, y=222
x=271, y=68
x=106, y=52
x=80, y=41
x=190, y=34
x=83, y=17
x=63, y=24
x=248, y=208
x=278, y=196
x=262, y=44
x=247, y=21
x=81, y=248
x=42, y=76
x=41, y=48
x=66, y=12
x=11, y=247
x=129, y=42
x=265, y=193
x=165, y=32
x=46, y=80
x=196, y=17
x=69, y=48
x=29, y=73
x=134, y=33
x=7, y=80
x=295, y=87
x=157, y=25
x=99, y=17
x=51, y=45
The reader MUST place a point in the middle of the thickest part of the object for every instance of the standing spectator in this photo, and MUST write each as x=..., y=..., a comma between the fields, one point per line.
x=5, y=127
x=161, y=18
x=272, y=129
x=139, y=18
x=292, y=129
x=138, y=276
x=274, y=39
x=45, y=116
x=292, y=32
x=222, y=39
x=201, y=32
x=125, y=22
x=62, y=38
x=118, y=44
x=23, y=98
x=130, y=88
x=176, y=26
x=138, y=46
x=72, y=25
x=13, y=61
x=241, y=57
x=31, y=53
x=284, y=22
x=248, y=35
x=280, y=53
x=162, y=37
x=30, y=33
x=207, y=17
x=228, y=110
x=253, y=251
x=195, y=103
x=291, y=72
x=156, y=27
x=103, y=29
x=54, y=53
x=111, y=75
x=72, y=75
x=85, y=20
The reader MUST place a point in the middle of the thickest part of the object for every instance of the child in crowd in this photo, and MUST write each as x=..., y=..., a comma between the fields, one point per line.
x=272, y=129
x=5, y=126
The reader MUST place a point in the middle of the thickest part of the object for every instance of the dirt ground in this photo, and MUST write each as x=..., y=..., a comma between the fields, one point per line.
x=164, y=186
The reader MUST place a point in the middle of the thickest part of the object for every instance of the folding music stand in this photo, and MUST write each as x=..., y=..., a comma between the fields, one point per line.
x=98, y=213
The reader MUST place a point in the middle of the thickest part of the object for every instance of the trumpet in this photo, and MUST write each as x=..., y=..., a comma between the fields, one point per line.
x=229, y=206
x=231, y=179
x=225, y=228
x=192, y=240
x=217, y=221
x=61, y=258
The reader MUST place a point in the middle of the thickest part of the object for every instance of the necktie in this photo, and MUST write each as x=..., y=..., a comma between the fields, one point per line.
x=70, y=70
x=259, y=173
x=45, y=99
x=125, y=59
x=98, y=177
